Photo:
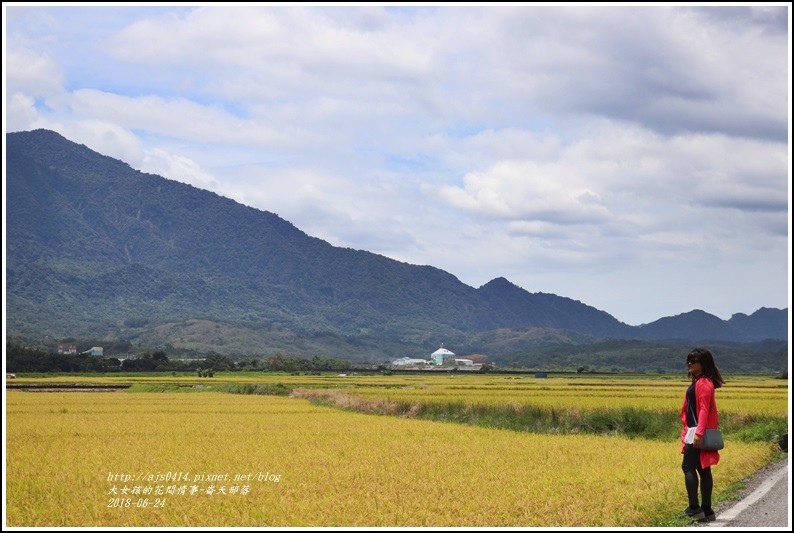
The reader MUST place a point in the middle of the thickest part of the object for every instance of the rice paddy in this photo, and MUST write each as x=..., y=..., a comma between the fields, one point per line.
x=141, y=458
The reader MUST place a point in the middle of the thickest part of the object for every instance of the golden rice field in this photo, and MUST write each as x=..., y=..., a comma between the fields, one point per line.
x=743, y=396
x=145, y=459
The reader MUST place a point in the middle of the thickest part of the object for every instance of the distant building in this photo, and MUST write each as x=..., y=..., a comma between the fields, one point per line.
x=442, y=356
x=407, y=361
x=95, y=351
x=463, y=362
x=475, y=358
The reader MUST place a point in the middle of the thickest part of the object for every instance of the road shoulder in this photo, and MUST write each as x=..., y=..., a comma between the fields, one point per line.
x=759, y=486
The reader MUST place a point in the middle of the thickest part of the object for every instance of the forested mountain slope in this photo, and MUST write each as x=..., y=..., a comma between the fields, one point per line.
x=97, y=248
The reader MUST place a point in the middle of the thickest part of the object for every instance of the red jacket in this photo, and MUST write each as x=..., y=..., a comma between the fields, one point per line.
x=707, y=418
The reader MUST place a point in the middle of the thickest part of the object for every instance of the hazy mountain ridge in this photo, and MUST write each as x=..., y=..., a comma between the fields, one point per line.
x=92, y=243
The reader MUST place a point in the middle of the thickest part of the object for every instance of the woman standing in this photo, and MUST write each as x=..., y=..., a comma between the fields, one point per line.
x=699, y=413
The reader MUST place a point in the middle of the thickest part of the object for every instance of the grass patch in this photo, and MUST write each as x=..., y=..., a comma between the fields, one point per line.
x=265, y=389
x=767, y=429
x=624, y=421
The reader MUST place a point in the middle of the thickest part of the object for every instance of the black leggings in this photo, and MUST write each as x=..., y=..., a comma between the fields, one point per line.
x=691, y=467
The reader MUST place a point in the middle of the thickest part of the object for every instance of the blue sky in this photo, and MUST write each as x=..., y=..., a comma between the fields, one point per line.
x=635, y=158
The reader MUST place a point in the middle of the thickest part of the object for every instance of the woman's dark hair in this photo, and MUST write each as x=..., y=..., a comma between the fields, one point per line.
x=706, y=360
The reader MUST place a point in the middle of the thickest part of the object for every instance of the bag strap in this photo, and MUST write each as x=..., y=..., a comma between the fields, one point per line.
x=693, y=413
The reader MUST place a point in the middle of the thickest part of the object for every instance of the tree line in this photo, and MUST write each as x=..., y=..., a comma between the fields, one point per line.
x=21, y=358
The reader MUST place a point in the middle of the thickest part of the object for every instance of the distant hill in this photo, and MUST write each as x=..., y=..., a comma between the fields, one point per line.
x=98, y=249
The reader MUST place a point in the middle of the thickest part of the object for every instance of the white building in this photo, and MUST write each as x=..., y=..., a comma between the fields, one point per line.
x=407, y=361
x=442, y=356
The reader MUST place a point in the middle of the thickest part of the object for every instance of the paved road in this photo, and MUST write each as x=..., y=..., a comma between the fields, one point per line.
x=764, y=503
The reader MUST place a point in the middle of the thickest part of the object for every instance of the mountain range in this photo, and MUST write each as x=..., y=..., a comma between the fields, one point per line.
x=96, y=249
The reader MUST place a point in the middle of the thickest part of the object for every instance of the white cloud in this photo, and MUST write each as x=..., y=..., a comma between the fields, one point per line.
x=20, y=112
x=35, y=74
x=527, y=190
x=175, y=117
x=106, y=138
x=178, y=168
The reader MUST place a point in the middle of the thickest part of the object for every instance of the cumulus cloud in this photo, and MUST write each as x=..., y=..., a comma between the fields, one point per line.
x=527, y=190
x=36, y=74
